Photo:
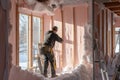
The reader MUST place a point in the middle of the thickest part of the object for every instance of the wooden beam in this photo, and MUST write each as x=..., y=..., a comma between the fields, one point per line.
x=114, y=0
x=115, y=8
x=106, y=58
x=75, y=37
x=118, y=14
x=41, y=29
x=103, y=30
x=111, y=4
x=30, y=37
x=112, y=50
x=63, y=36
x=17, y=36
x=116, y=11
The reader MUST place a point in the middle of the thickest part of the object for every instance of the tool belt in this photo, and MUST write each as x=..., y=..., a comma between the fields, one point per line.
x=46, y=49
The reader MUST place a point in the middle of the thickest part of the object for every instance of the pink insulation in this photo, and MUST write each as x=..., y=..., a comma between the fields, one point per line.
x=17, y=74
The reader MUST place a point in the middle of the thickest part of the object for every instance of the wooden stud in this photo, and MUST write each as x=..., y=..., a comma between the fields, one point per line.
x=52, y=21
x=75, y=37
x=112, y=47
x=63, y=36
x=115, y=8
x=111, y=4
x=103, y=30
x=30, y=42
x=42, y=34
x=118, y=14
x=106, y=56
x=17, y=35
x=117, y=11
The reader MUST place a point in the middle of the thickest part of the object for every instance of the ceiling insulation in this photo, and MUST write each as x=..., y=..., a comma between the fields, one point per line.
x=48, y=6
x=74, y=2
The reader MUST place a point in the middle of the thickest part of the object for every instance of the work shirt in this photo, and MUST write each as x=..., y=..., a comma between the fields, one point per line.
x=51, y=38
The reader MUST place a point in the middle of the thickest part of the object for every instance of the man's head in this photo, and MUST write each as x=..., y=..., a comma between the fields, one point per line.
x=55, y=29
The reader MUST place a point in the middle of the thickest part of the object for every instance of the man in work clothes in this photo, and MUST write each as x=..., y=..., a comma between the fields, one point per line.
x=47, y=50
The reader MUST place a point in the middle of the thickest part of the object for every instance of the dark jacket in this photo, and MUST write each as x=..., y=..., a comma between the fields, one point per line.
x=50, y=39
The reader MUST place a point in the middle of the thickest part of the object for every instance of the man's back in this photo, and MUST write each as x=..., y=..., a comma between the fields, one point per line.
x=50, y=38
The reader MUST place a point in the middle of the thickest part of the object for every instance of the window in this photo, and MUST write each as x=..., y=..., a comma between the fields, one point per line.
x=36, y=38
x=30, y=31
x=117, y=40
x=23, y=41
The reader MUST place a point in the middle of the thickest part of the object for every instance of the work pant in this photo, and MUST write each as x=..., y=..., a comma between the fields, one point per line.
x=49, y=57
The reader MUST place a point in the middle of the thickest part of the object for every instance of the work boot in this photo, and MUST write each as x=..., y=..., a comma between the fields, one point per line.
x=54, y=76
x=45, y=75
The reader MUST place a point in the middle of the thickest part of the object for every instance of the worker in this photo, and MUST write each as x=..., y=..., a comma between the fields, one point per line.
x=47, y=50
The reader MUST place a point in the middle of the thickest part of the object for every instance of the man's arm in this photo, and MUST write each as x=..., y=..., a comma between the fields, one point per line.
x=59, y=39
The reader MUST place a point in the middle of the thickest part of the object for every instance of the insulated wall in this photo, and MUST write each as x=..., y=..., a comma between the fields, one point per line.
x=71, y=22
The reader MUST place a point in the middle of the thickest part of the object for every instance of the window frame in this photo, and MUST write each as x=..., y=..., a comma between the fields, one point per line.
x=30, y=35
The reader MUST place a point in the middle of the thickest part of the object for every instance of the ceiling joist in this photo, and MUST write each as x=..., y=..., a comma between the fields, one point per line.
x=113, y=6
x=118, y=14
x=117, y=11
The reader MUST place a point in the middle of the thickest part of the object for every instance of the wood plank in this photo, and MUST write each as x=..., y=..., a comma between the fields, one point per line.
x=63, y=36
x=118, y=14
x=116, y=11
x=115, y=8
x=106, y=56
x=30, y=37
x=114, y=0
x=43, y=29
x=75, y=37
x=112, y=50
x=103, y=30
x=111, y=4
x=17, y=36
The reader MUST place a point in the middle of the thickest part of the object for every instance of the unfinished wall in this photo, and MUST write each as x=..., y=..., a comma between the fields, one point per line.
x=103, y=34
x=104, y=29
